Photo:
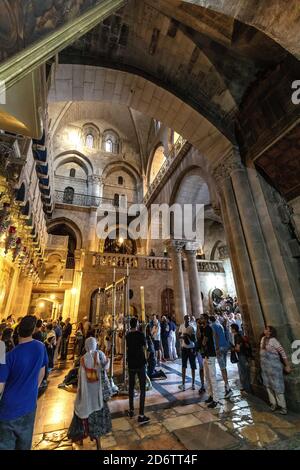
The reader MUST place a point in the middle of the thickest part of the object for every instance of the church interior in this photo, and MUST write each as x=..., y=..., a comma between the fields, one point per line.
x=110, y=104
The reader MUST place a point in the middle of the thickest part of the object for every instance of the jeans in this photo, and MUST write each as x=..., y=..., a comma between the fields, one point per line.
x=141, y=373
x=276, y=398
x=172, y=345
x=211, y=377
x=64, y=347
x=17, y=434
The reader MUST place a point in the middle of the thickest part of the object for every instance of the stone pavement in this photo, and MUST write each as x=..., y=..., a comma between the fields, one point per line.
x=179, y=420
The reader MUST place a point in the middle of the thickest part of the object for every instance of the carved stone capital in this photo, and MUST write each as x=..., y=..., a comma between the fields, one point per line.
x=230, y=163
x=96, y=179
x=176, y=246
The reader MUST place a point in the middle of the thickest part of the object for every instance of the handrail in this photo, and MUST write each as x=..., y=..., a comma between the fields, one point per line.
x=86, y=200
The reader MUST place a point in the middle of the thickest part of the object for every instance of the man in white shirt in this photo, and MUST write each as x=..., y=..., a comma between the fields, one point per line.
x=188, y=351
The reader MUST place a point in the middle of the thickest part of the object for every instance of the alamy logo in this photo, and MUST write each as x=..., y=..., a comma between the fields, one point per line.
x=296, y=354
x=296, y=94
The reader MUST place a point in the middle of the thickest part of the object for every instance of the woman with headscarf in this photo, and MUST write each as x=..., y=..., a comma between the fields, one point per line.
x=91, y=413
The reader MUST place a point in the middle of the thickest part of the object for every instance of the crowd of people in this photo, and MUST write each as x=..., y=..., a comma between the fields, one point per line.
x=29, y=349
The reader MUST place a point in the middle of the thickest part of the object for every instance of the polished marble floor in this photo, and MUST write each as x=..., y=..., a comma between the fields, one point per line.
x=179, y=420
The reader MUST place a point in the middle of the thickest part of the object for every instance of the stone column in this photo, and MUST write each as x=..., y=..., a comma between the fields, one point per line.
x=241, y=263
x=194, y=284
x=178, y=281
x=252, y=254
x=92, y=241
x=95, y=186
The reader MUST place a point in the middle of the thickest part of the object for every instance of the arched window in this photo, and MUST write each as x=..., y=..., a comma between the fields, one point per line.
x=89, y=141
x=109, y=146
x=72, y=173
x=110, y=142
x=68, y=195
x=120, y=180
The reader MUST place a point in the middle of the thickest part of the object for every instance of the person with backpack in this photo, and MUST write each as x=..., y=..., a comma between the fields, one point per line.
x=243, y=353
x=188, y=350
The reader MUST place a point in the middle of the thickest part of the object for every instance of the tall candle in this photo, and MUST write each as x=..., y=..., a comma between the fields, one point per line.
x=127, y=269
x=143, y=304
x=114, y=274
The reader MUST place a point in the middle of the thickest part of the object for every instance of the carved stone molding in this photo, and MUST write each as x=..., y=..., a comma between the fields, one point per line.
x=176, y=245
x=230, y=162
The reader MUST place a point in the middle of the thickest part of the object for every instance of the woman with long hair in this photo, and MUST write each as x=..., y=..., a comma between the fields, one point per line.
x=274, y=362
x=91, y=413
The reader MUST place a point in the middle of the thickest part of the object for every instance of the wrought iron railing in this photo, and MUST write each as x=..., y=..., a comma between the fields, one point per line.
x=85, y=200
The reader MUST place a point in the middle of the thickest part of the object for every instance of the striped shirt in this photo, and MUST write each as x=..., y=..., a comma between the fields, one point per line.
x=273, y=346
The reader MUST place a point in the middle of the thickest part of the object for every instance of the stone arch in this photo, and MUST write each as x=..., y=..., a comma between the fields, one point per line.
x=113, y=228
x=265, y=19
x=214, y=249
x=72, y=225
x=194, y=171
x=155, y=162
x=124, y=166
x=70, y=156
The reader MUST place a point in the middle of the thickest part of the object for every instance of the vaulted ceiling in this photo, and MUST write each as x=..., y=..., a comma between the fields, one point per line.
x=207, y=59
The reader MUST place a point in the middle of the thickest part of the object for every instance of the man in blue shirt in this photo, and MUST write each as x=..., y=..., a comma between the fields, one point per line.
x=222, y=348
x=20, y=379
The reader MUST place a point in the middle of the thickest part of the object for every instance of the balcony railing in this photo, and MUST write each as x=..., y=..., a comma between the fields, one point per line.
x=85, y=200
x=149, y=263
x=172, y=159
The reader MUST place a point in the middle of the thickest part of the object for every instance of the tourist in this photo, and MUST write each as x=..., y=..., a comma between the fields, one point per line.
x=188, y=351
x=58, y=333
x=91, y=413
x=10, y=321
x=243, y=359
x=193, y=323
x=2, y=344
x=274, y=362
x=135, y=343
x=20, y=379
x=15, y=327
x=200, y=353
x=209, y=363
x=37, y=335
x=238, y=321
x=50, y=344
x=172, y=340
x=66, y=333
x=151, y=362
x=86, y=327
x=222, y=348
x=156, y=335
x=7, y=338
x=165, y=331
x=79, y=339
